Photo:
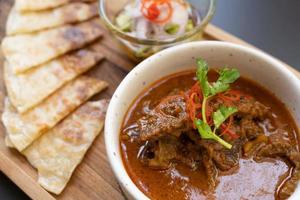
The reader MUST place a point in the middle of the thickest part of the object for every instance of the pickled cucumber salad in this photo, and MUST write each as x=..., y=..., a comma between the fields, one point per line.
x=157, y=19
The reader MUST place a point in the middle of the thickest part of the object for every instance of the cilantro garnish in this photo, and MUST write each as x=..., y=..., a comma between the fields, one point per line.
x=226, y=77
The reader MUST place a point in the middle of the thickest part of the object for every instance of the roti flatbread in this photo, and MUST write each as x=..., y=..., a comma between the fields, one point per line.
x=36, y=5
x=19, y=23
x=26, y=51
x=57, y=153
x=28, y=89
x=23, y=129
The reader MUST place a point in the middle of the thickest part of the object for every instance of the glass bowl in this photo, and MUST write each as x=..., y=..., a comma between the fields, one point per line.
x=141, y=48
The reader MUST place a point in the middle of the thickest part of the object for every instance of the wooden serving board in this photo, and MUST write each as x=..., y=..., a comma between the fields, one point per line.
x=93, y=179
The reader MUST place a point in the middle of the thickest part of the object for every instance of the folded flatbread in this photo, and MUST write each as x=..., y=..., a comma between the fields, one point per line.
x=23, y=129
x=26, y=51
x=28, y=89
x=35, y=5
x=57, y=153
x=19, y=23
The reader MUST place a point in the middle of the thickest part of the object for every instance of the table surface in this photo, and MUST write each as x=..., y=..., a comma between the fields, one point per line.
x=271, y=25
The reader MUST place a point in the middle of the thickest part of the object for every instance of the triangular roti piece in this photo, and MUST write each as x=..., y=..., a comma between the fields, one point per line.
x=57, y=153
x=28, y=89
x=26, y=51
x=23, y=129
x=36, y=5
x=19, y=23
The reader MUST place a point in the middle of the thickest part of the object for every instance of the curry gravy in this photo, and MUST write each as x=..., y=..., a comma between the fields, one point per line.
x=251, y=181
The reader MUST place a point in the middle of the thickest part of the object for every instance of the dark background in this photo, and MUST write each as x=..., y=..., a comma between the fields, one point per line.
x=271, y=25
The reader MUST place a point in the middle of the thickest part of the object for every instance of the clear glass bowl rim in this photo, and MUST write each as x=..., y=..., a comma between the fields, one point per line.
x=142, y=41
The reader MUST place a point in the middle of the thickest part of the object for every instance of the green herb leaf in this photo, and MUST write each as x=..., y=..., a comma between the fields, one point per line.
x=218, y=87
x=204, y=129
x=226, y=77
x=206, y=133
x=172, y=28
x=222, y=114
x=202, y=70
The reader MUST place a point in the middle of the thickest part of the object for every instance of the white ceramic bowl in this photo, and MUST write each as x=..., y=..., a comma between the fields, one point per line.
x=250, y=62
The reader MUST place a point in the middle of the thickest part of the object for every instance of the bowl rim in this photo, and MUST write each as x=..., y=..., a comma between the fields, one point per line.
x=143, y=41
x=119, y=171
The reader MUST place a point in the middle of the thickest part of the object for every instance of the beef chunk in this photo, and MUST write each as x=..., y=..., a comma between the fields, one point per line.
x=170, y=149
x=164, y=153
x=251, y=148
x=246, y=120
x=190, y=155
x=225, y=159
x=291, y=184
x=252, y=108
x=249, y=128
x=280, y=136
x=280, y=146
x=289, y=187
x=168, y=117
x=211, y=171
x=246, y=107
x=274, y=150
x=294, y=156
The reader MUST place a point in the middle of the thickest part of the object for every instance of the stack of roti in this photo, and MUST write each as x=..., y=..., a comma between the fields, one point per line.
x=48, y=116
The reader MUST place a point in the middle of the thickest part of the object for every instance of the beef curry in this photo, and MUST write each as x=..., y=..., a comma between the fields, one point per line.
x=241, y=143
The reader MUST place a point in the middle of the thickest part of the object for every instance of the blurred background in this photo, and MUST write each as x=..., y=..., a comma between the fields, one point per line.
x=271, y=25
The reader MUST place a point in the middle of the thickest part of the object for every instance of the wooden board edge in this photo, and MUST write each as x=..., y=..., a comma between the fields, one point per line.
x=27, y=184
x=221, y=35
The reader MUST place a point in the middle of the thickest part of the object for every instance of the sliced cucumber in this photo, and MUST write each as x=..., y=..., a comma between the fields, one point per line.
x=171, y=28
x=124, y=22
x=144, y=52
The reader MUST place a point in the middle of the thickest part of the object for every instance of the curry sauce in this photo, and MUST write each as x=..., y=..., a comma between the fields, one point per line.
x=250, y=179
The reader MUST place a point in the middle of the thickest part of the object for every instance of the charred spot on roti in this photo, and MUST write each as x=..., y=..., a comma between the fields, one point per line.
x=73, y=34
x=74, y=133
x=95, y=113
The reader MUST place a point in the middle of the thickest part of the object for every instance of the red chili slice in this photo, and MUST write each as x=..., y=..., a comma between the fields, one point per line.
x=151, y=11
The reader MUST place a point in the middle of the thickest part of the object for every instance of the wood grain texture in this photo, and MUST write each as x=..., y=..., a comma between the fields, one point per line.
x=93, y=178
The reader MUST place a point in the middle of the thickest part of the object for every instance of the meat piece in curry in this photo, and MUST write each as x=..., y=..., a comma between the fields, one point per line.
x=170, y=151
